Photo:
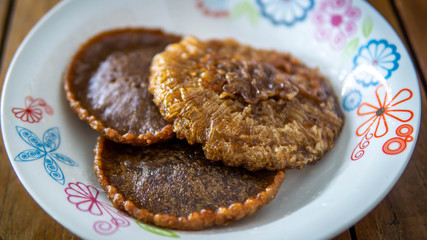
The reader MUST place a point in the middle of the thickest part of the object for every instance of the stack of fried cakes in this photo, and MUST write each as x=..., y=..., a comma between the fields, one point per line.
x=197, y=133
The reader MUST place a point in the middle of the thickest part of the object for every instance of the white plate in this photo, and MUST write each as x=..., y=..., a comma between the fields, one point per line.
x=348, y=40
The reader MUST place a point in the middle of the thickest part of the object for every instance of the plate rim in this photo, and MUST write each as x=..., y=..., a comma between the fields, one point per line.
x=329, y=233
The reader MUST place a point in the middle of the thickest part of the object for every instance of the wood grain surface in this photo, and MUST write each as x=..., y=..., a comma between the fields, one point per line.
x=401, y=215
x=4, y=9
x=412, y=14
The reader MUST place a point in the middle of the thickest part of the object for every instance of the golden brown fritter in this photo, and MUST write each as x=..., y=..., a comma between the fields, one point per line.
x=106, y=84
x=253, y=108
x=172, y=185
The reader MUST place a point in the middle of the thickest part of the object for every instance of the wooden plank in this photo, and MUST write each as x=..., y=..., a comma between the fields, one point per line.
x=20, y=216
x=414, y=17
x=4, y=7
x=343, y=236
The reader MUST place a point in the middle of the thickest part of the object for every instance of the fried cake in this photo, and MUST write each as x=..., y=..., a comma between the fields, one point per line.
x=259, y=109
x=106, y=84
x=172, y=184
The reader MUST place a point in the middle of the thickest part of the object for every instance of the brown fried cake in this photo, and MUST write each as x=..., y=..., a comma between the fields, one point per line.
x=253, y=108
x=106, y=84
x=172, y=185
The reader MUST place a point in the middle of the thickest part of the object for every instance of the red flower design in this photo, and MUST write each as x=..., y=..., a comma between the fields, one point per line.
x=386, y=107
x=213, y=8
x=33, y=111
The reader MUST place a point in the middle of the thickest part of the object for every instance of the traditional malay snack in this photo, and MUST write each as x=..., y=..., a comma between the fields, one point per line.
x=263, y=110
x=253, y=108
x=173, y=185
x=106, y=85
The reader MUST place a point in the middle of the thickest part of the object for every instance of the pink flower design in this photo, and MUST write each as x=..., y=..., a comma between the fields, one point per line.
x=85, y=197
x=335, y=22
x=33, y=111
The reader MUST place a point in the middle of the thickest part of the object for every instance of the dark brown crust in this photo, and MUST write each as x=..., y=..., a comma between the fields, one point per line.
x=164, y=134
x=194, y=221
x=143, y=139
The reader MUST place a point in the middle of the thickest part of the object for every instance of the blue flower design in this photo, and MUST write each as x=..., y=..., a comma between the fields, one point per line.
x=286, y=12
x=352, y=100
x=44, y=150
x=378, y=57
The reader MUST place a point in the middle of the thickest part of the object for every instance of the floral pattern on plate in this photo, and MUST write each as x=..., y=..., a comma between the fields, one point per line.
x=44, y=149
x=378, y=114
x=352, y=100
x=213, y=8
x=285, y=12
x=33, y=110
x=398, y=144
x=335, y=22
x=377, y=57
x=85, y=198
x=157, y=230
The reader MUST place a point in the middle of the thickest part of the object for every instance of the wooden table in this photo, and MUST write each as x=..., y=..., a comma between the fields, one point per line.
x=401, y=215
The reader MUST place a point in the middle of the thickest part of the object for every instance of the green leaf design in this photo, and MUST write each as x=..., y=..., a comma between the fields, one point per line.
x=352, y=45
x=367, y=26
x=156, y=230
x=350, y=48
x=245, y=8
